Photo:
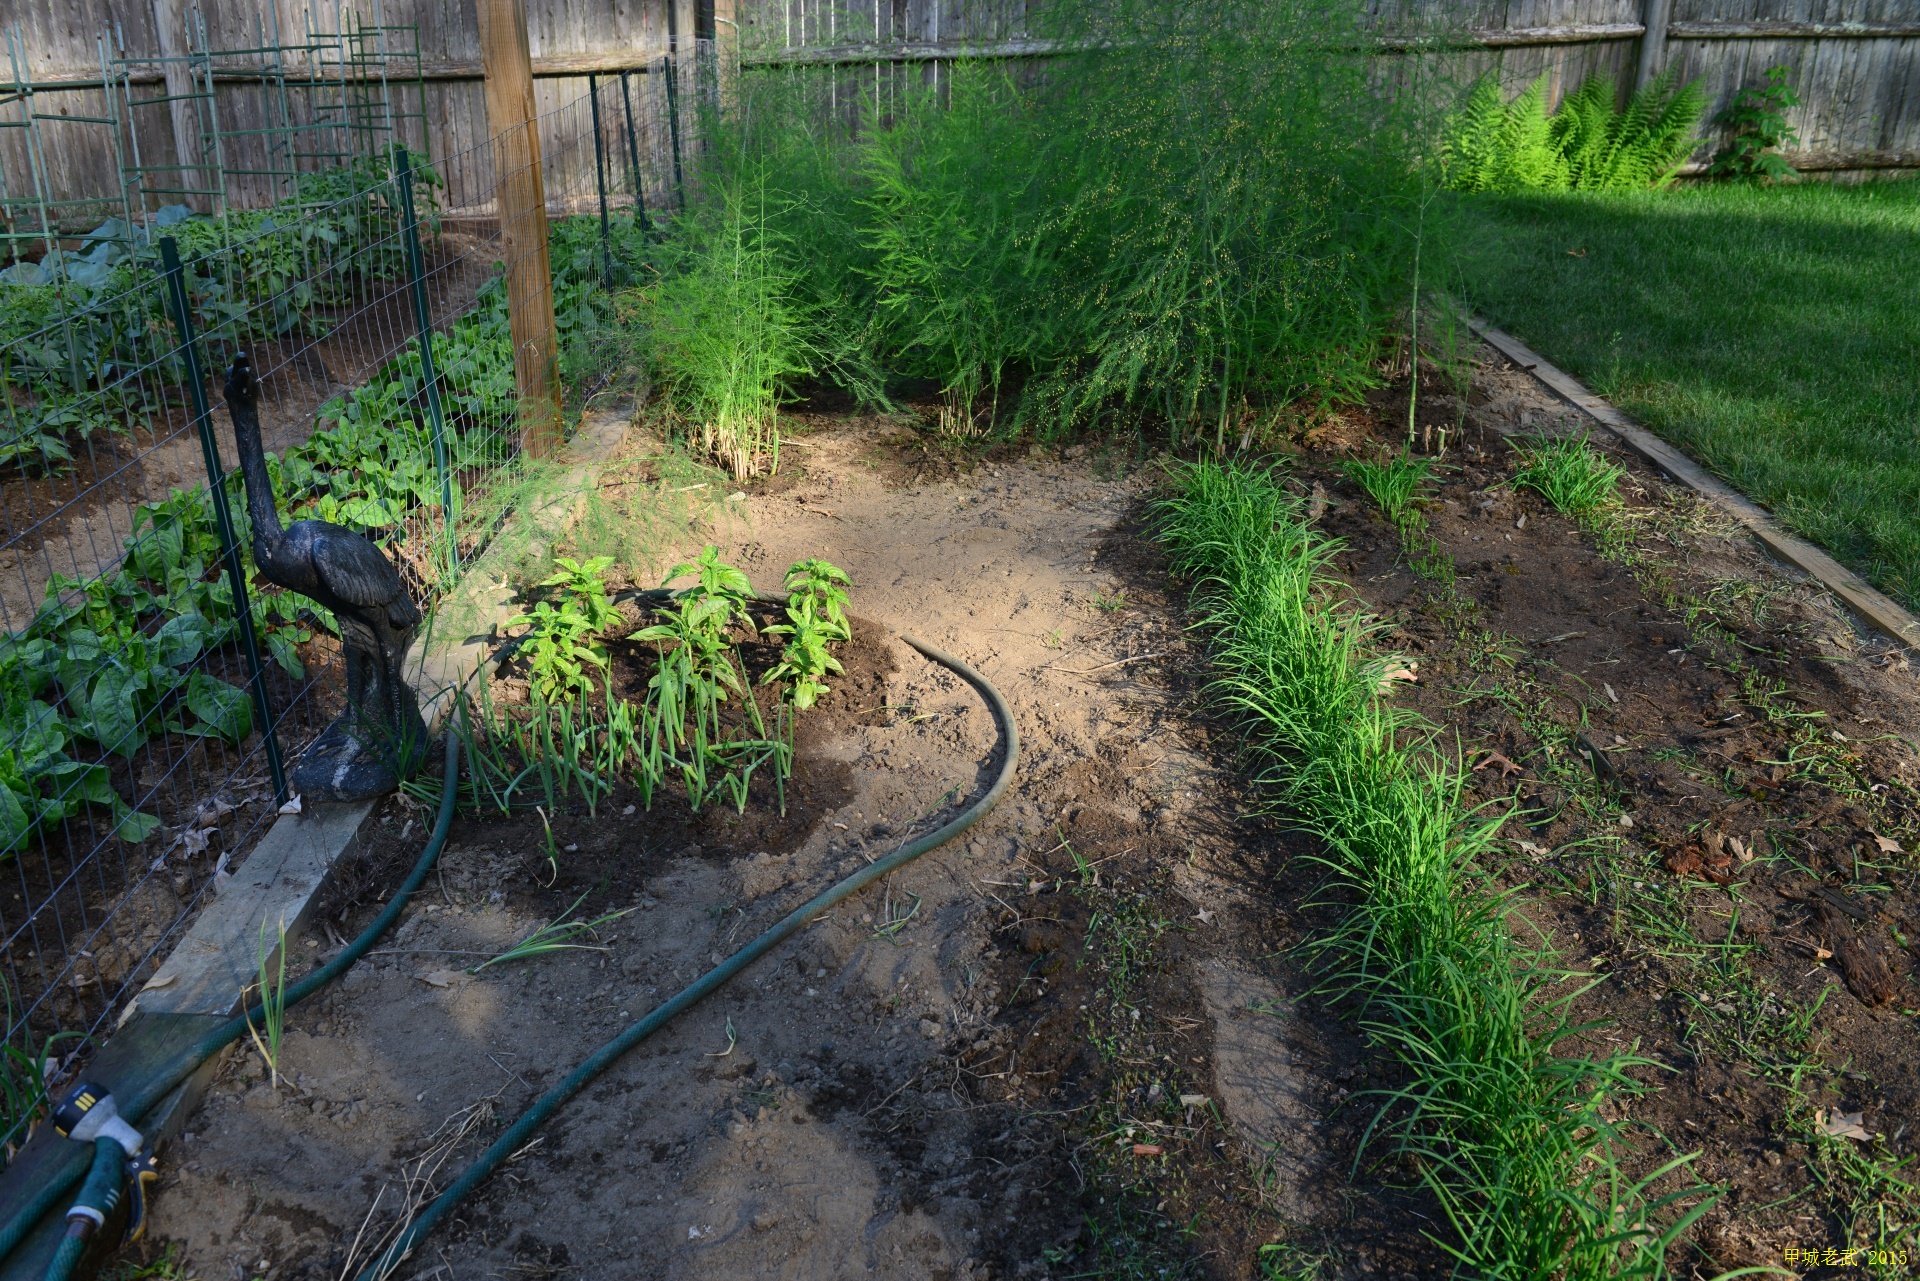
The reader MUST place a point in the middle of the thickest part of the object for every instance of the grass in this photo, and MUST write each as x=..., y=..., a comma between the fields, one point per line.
x=272, y=986
x=1569, y=474
x=555, y=936
x=1768, y=331
x=1510, y=1135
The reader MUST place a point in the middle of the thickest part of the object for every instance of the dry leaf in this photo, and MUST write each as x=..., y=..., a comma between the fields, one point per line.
x=195, y=839
x=292, y=806
x=211, y=811
x=220, y=873
x=159, y=981
x=1317, y=502
x=1740, y=850
x=1203, y=916
x=441, y=978
x=1684, y=861
x=1147, y=1149
x=1193, y=1100
x=1610, y=694
x=1494, y=758
x=1532, y=850
x=1409, y=673
x=1843, y=1125
x=1887, y=845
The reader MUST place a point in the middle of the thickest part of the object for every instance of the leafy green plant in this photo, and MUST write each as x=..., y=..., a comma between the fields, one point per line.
x=1589, y=144
x=271, y=984
x=554, y=936
x=1570, y=474
x=1757, y=129
x=815, y=618
x=560, y=645
x=562, y=641
x=681, y=725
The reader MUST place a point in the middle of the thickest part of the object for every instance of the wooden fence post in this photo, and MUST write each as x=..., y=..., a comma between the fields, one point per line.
x=520, y=195
x=176, y=44
x=1655, y=14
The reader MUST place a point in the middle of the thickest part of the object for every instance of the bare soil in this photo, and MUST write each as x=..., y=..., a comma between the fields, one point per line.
x=1085, y=1040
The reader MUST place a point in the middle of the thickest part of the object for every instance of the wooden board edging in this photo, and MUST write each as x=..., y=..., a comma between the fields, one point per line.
x=1873, y=606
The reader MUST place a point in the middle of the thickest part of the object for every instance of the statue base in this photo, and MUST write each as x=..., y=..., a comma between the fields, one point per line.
x=341, y=765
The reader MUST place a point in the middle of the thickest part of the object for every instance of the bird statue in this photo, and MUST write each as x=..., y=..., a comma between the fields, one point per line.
x=379, y=739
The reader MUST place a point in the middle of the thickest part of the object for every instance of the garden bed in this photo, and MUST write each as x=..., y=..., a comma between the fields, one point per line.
x=1091, y=1038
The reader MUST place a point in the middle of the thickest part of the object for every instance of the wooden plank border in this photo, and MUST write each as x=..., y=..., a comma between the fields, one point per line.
x=1873, y=607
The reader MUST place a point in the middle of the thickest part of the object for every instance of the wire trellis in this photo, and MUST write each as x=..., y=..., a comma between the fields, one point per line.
x=151, y=698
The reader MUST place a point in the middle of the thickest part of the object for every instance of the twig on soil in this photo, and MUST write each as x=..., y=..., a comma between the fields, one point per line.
x=1119, y=662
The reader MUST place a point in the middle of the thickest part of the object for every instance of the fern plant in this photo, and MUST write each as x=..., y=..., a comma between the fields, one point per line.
x=1589, y=144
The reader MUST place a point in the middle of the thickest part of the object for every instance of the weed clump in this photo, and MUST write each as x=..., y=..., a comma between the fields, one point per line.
x=1570, y=474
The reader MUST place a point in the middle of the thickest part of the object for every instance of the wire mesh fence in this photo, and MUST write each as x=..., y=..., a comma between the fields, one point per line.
x=155, y=691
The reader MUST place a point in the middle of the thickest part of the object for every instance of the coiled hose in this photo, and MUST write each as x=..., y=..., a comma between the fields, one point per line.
x=138, y=1104
x=601, y=1059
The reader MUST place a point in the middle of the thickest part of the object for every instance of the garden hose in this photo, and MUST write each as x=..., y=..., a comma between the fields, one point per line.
x=181, y=1066
x=604, y=1057
x=98, y=1197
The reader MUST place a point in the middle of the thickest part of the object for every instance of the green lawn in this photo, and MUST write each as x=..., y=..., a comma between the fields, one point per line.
x=1774, y=334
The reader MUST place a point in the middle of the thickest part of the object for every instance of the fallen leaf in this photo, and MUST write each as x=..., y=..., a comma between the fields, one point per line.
x=1494, y=758
x=160, y=981
x=1532, y=850
x=1815, y=950
x=1740, y=850
x=1147, y=1149
x=1410, y=673
x=1193, y=1100
x=1317, y=502
x=1576, y=253
x=1843, y=1125
x=292, y=806
x=195, y=839
x=1684, y=861
x=211, y=811
x=440, y=978
x=1887, y=845
x=220, y=873
x=1610, y=694
x=1203, y=916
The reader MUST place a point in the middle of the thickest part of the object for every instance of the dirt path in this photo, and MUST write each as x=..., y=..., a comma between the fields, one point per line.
x=1084, y=1041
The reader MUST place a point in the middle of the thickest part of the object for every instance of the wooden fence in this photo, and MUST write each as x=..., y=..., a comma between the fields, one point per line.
x=1854, y=63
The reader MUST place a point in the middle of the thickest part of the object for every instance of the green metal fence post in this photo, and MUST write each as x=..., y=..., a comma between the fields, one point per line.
x=633, y=161
x=673, y=126
x=222, y=514
x=600, y=182
x=423, y=319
